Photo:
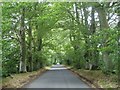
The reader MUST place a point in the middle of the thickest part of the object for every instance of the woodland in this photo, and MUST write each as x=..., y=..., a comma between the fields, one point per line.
x=84, y=35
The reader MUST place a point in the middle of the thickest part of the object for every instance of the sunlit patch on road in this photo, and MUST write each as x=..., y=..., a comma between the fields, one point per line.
x=57, y=67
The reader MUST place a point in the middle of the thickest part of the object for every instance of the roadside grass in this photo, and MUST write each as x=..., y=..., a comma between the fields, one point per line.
x=18, y=80
x=96, y=76
x=99, y=78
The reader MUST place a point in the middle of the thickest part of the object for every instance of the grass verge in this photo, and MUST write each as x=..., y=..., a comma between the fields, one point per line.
x=19, y=80
x=97, y=78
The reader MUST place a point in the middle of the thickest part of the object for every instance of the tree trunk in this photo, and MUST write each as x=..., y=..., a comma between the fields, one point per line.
x=22, y=67
x=86, y=33
x=39, y=43
x=94, y=53
x=104, y=25
x=38, y=48
x=30, y=58
x=118, y=26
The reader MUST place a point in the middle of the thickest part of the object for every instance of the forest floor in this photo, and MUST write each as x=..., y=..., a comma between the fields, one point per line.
x=97, y=78
x=18, y=80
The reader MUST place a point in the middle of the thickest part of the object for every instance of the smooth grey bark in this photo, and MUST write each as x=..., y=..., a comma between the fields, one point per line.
x=77, y=63
x=22, y=67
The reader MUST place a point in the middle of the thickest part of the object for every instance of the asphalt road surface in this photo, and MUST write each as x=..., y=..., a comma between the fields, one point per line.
x=57, y=77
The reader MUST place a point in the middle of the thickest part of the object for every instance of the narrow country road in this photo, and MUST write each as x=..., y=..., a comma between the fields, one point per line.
x=57, y=77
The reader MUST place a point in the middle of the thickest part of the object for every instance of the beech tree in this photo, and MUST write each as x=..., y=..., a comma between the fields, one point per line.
x=79, y=34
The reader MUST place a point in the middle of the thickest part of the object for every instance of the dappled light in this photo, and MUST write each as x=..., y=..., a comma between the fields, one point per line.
x=58, y=67
x=46, y=39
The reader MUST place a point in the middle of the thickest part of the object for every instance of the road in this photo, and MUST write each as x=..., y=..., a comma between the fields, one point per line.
x=57, y=77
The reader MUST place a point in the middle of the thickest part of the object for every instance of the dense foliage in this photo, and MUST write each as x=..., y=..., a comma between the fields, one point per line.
x=83, y=35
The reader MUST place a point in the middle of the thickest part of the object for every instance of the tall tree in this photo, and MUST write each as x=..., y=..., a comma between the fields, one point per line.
x=104, y=26
x=30, y=55
x=94, y=52
x=22, y=67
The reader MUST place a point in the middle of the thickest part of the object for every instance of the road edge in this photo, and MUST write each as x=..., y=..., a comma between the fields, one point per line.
x=93, y=85
x=33, y=78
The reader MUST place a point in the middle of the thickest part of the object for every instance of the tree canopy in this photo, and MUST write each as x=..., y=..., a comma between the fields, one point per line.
x=81, y=34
